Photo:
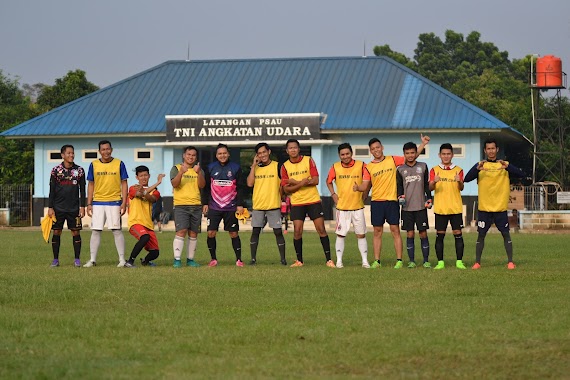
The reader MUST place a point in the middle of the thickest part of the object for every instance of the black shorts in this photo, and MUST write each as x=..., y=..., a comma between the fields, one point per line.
x=418, y=218
x=72, y=218
x=156, y=216
x=314, y=211
x=485, y=219
x=214, y=218
x=441, y=222
x=384, y=211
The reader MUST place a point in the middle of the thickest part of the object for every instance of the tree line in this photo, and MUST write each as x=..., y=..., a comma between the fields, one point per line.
x=19, y=103
x=480, y=73
x=474, y=70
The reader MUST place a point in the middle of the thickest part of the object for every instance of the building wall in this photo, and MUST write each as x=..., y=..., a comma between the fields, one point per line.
x=163, y=158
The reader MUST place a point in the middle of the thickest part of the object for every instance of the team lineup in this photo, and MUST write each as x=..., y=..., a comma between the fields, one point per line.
x=400, y=189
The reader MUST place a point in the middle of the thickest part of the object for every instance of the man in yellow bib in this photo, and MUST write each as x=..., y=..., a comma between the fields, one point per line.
x=265, y=179
x=299, y=177
x=106, y=200
x=494, y=191
x=347, y=173
x=187, y=179
x=447, y=181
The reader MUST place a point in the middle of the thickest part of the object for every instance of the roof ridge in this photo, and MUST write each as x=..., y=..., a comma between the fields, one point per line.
x=339, y=58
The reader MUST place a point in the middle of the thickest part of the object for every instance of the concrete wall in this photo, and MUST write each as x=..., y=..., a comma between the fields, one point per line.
x=545, y=220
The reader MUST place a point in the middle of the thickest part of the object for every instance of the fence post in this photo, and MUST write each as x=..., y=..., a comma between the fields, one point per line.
x=31, y=214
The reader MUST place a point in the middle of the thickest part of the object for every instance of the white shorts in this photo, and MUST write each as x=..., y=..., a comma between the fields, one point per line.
x=110, y=214
x=345, y=218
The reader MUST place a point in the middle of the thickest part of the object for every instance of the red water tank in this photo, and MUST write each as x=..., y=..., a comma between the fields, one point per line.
x=548, y=71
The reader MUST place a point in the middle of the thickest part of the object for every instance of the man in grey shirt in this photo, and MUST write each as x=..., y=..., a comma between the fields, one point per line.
x=415, y=198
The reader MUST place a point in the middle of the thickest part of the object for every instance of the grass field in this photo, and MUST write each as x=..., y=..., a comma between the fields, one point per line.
x=272, y=321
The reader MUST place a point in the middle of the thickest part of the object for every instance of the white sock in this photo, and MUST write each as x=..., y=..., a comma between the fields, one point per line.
x=94, y=244
x=119, y=243
x=192, y=243
x=339, y=246
x=363, y=248
x=178, y=246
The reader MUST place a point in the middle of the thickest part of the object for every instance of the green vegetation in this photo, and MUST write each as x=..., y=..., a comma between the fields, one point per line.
x=480, y=73
x=275, y=321
x=18, y=105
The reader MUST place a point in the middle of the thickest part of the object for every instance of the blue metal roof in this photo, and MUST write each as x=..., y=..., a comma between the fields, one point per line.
x=357, y=93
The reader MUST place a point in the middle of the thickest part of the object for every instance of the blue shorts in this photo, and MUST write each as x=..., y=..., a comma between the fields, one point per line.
x=485, y=219
x=384, y=211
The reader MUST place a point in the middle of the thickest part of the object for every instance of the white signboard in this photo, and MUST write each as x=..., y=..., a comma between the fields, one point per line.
x=563, y=197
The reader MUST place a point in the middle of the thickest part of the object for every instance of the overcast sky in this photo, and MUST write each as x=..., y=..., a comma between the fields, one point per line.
x=112, y=39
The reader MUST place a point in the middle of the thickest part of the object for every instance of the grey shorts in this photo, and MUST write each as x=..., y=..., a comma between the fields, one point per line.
x=271, y=217
x=188, y=218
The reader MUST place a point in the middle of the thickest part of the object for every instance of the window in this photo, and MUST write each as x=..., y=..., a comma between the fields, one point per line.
x=459, y=150
x=144, y=154
x=361, y=152
x=425, y=153
x=54, y=155
x=89, y=155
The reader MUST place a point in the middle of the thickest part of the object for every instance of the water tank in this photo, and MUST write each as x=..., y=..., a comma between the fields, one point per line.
x=548, y=71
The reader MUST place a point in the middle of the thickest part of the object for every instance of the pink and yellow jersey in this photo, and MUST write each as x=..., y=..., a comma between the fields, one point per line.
x=345, y=178
x=267, y=187
x=383, y=177
x=447, y=196
x=188, y=192
x=140, y=210
x=300, y=170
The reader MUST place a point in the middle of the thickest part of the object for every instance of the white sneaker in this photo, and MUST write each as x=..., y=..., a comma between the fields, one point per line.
x=121, y=264
x=89, y=264
x=339, y=265
x=366, y=265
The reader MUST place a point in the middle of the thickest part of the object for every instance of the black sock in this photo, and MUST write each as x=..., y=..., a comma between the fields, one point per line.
x=459, y=246
x=479, y=247
x=77, y=246
x=280, y=239
x=55, y=243
x=253, y=242
x=236, y=244
x=326, y=243
x=211, y=241
x=139, y=247
x=439, y=246
x=508, y=245
x=298, y=243
x=152, y=255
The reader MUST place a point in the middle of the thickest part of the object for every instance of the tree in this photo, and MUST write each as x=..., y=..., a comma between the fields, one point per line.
x=33, y=91
x=72, y=86
x=17, y=106
x=476, y=71
x=16, y=156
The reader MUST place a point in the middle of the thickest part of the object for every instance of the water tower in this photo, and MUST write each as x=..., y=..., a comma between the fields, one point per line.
x=549, y=152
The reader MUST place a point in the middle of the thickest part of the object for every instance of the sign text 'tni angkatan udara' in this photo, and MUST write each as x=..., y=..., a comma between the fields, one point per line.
x=268, y=127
